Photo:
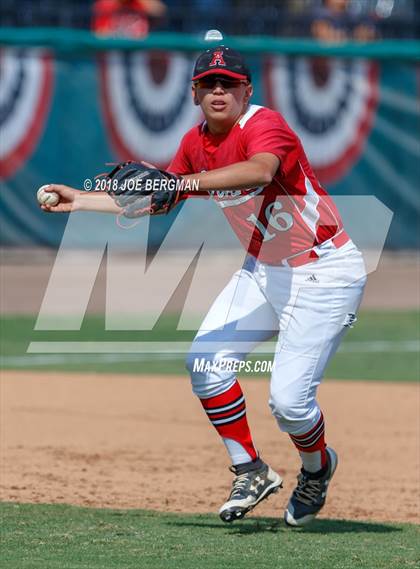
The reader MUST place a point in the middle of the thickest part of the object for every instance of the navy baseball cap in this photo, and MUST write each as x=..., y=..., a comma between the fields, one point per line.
x=221, y=60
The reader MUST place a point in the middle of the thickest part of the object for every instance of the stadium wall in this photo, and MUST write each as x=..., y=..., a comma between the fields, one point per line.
x=70, y=103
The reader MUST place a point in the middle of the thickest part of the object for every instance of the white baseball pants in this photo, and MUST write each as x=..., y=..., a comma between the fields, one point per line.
x=311, y=307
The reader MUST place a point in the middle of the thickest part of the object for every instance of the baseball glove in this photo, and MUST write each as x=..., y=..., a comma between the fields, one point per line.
x=143, y=190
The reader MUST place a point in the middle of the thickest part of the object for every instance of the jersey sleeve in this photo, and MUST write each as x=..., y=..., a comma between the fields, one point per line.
x=180, y=163
x=269, y=132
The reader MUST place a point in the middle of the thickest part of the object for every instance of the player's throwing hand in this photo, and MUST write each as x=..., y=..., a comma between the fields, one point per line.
x=71, y=199
x=66, y=198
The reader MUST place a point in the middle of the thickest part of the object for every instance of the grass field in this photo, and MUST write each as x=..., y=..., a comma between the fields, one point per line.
x=66, y=537
x=383, y=345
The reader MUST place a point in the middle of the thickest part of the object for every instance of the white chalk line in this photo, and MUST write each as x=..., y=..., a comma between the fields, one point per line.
x=178, y=352
x=204, y=347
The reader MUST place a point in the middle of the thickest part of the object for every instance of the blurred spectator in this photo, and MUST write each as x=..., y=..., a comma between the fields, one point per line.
x=288, y=18
x=129, y=18
x=198, y=16
x=333, y=22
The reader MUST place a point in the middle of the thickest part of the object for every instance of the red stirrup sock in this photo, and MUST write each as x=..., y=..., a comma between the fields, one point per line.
x=227, y=413
x=311, y=447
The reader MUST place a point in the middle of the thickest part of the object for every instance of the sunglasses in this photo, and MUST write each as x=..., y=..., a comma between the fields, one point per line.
x=226, y=83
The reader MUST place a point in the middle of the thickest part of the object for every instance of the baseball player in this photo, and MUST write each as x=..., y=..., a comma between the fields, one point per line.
x=302, y=276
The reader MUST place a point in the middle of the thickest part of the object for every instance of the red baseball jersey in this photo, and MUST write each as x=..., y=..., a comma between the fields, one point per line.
x=284, y=222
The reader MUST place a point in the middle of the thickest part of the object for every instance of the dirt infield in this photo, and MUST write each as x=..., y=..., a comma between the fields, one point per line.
x=395, y=283
x=143, y=442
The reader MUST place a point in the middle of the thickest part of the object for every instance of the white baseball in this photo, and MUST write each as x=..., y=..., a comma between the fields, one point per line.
x=47, y=198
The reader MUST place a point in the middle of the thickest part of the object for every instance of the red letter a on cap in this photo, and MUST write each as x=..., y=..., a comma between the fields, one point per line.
x=217, y=58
